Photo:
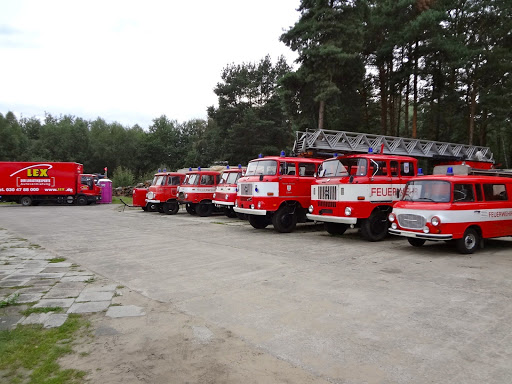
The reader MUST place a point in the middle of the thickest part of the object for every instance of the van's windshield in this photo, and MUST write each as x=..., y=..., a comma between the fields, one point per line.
x=436, y=191
x=342, y=167
x=261, y=167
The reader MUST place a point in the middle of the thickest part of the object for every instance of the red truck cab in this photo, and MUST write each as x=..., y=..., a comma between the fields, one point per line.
x=197, y=190
x=276, y=190
x=462, y=208
x=162, y=194
x=225, y=193
x=359, y=190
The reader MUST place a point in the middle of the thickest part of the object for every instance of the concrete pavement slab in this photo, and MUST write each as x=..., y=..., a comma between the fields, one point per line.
x=9, y=283
x=89, y=307
x=9, y=322
x=63, y=303
x=62, y=293
x=94, y=296
x=66, y=279
x=28, y=297
x=55, y=320
x=35, y=318
x=125, y=311
x=101, y=288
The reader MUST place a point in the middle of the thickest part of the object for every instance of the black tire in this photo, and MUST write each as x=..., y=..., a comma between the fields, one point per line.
x=171, y=208
x=191, y=208
x=375, y=228
x=230, y=213
x=81, y=200
x=335, y=228
x=415, y=242
x=70, y=199
x=204, y=209
x=26, y=201
x=258, y=222
x=145, y=209
x=284, y=221
x=160, y=208
x=469, y=242
x=151, y=207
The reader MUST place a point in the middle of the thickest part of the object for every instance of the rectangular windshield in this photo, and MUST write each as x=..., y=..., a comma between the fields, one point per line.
x=191, y=179
x=229, y=177
x=261, y=167
x=342, y=167
x=159, y=180
x=436, y=191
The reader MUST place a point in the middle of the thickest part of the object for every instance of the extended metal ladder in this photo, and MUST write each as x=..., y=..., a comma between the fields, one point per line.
x=323, y=142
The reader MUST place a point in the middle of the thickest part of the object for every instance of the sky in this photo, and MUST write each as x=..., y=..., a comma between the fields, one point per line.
x=131, y=61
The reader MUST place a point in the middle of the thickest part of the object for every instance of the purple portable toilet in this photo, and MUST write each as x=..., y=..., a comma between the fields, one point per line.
x=106, y=191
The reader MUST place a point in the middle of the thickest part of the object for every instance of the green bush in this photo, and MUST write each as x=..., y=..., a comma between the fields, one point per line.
x=123, y=177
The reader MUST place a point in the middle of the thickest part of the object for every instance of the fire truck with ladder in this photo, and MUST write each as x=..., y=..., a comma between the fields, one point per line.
x=225, y=193
x=359, y=188
x=276, y=189
x=457, y=204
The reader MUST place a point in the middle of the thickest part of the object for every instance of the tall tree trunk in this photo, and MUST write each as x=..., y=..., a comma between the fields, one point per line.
x=472, y=111
x=383, y=99
x=321, y=112
x=415, y=94
x=483, y=129
x=391, y=99
x=406, y=107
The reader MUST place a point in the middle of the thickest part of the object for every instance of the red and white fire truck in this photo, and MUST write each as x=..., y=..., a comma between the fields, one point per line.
x=225, y=193
x=465, y=208
x=162, y=194
x=29, y=183
x=360, y=190
x=276, y=190
x=197, y=190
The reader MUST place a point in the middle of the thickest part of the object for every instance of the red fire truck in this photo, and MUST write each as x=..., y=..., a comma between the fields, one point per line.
x=197, y=190
x=359, y=190
x=225, y=192
x=162, y=195
x=276, y=190
x=29, y=183
x=463, y=208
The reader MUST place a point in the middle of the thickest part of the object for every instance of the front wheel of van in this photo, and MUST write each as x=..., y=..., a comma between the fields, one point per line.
x=204, y=209
x=191, y=208
x=171, y=208
x=335, y=228
x=469, y=242
x=415, y=242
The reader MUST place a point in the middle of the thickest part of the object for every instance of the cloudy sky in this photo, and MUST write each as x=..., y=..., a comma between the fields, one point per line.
x=131, y=61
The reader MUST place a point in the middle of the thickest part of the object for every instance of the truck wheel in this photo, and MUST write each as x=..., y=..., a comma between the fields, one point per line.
x=258, y=222
x=284, y=221
x=335, y=228
x=241, y=216
x=230, y=213
x=171, y=208
x=375, y=228
x=415, y=242
x=26, y=201
x=81, y=200
x=191, y=208
x=204, y=209
x=469, y=242
x=70, y=200
x=151, y=207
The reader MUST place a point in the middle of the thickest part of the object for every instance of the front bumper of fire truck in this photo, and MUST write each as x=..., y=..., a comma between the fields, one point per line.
x=223, y=203
x=420, y=235
x=332, y=219
x=153, y=201
x=250, y=211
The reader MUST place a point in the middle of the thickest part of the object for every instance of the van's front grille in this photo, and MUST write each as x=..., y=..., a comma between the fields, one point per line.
x=411, y=221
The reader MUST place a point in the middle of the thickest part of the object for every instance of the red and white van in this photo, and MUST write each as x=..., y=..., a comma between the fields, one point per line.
x=463, y=208
x=197, y=190
x=359, y=190
x=225, y=193
x=276, y=190
x=162, y=194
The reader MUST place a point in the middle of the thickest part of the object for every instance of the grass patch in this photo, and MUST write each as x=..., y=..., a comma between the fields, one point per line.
x=21, y=286
x=219, y=222
x=30, y=353
x=127, y=199
x=91, y=280
x=9, y=301
x=57, y=260
x=120, y=287
x=29, y=311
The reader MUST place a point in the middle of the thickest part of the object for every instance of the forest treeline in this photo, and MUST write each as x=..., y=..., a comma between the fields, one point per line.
x=432, y=69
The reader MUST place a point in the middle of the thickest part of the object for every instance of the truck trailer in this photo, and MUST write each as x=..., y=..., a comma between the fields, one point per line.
x=29, y=183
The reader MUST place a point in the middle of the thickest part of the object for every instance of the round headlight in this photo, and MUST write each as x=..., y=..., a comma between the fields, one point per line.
x=252, y=206
x=186, y=195
x=435, y=221
x=310, y=209
x=150, y=195
x=426, y=229
x=394, y=226
x=348, y=211
x=214, y=195
x=391, y=217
